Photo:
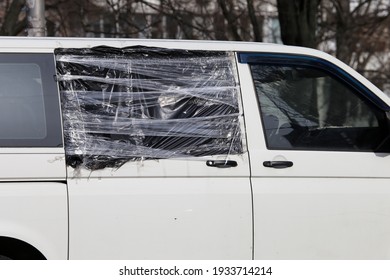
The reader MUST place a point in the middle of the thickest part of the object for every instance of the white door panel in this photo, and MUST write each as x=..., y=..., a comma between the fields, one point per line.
x=322, y=164
x=161, y=168
x=321, y=218
x=160, y=218
x=182, y=107
x=327, y=205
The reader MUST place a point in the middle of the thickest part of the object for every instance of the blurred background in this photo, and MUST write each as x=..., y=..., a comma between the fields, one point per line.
x=355, y=31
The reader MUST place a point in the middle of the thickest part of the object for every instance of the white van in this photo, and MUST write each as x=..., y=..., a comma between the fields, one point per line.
x=156, y=149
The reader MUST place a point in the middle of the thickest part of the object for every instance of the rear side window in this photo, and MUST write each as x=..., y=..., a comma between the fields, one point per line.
x=141, y=103
x=29, y=106
x=307, y=108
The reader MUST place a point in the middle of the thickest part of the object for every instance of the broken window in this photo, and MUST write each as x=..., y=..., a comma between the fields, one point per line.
x=143, y=103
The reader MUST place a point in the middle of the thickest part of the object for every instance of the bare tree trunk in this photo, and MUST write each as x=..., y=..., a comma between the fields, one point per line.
x=12, y=25
x=343, y=51
x=229, y=16
x=298, y=22
x=257, y=29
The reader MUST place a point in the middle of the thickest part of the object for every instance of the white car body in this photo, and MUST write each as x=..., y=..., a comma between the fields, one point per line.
x=328, y=205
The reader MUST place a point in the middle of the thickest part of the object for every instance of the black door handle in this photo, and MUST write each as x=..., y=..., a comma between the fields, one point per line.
x=221, y=163
x=278, y=164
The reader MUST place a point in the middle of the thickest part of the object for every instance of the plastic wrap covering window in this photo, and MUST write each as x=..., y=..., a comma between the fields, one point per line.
x=147, y=103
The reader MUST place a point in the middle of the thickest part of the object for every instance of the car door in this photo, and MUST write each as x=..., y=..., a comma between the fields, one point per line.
x=319, y=150
x=157, y=160
x=33, y=191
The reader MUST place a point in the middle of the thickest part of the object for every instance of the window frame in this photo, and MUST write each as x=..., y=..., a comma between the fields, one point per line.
x=46, y=64
x=316, y=62
x=334, y=72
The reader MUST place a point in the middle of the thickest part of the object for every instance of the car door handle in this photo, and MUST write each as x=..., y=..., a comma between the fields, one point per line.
x=221, y=163
x=278, y=164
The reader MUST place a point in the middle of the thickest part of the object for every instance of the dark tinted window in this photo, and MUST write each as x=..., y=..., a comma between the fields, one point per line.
x=29, y=106
x=306, y=108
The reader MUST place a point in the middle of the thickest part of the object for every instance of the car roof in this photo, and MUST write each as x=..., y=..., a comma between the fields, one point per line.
x=49, y=44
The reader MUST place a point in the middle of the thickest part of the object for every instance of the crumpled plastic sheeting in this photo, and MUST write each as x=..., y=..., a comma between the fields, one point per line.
x=143, y=103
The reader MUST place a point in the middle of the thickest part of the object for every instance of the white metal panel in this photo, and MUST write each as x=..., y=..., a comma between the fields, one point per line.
x=163, y=209
x=322, y=218
x=190, y=167
x=39, y=45
x=160, y=218
x=328, y=205
x=36, y=213
x=323, y=164
x=32, y=164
